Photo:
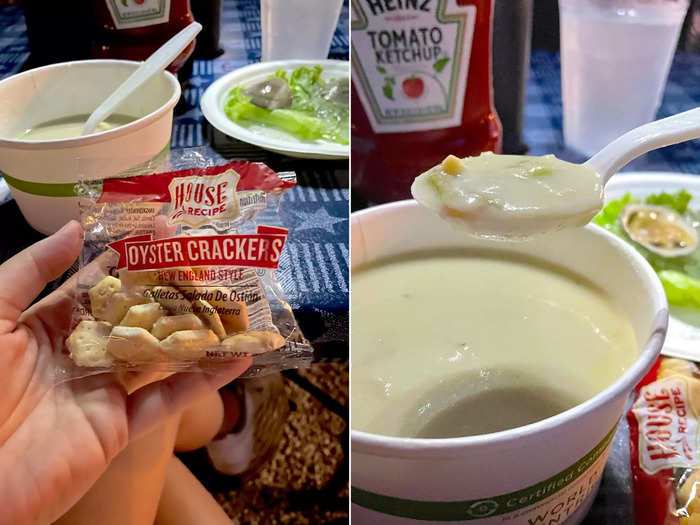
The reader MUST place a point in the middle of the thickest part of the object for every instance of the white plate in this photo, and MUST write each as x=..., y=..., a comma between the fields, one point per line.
x=683, y=339
x=278, y=141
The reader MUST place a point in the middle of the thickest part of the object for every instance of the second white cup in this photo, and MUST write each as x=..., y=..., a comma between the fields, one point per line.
x=298, y=29
x=615, y=59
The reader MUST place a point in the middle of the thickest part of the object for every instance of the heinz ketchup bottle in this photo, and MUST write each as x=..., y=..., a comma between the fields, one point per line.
x=421, y=89
x=134, y=29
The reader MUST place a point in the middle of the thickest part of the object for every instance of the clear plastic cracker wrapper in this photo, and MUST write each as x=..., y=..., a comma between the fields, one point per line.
x=665, y=445
x=178, y=272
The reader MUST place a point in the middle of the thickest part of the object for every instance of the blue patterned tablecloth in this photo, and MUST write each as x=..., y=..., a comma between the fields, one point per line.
x=314, y=268
x=14, y=47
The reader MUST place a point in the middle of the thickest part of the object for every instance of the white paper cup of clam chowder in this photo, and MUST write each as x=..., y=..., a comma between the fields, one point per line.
x=541, y=473
x=42, y=173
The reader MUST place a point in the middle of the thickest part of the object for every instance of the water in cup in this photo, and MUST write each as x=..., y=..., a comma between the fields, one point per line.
x=615, y=58
x=297, y=28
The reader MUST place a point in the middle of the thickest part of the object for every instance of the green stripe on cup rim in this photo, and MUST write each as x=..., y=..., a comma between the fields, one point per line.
x=481, y=508
x=40, y=188
x=68, y=189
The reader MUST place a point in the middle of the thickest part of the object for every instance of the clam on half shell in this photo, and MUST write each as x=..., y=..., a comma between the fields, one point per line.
x=659, y=229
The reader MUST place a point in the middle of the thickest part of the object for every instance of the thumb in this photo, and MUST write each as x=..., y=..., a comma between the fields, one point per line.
x=26, y=274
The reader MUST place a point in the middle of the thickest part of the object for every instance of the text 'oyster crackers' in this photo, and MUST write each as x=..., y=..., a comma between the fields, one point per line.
x=177, y=272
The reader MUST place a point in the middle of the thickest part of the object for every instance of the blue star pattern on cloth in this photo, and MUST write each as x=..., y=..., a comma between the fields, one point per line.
x=314, y=266
x=318, y=219
x=316, y=259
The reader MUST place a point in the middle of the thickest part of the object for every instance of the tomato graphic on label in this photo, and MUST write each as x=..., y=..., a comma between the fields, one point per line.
x=413, y=87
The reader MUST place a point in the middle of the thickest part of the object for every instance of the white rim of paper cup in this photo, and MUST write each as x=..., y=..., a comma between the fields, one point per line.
x=102, y=135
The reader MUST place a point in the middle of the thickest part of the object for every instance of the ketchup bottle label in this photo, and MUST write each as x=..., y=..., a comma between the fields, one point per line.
x=410, y=60
x=128, y=14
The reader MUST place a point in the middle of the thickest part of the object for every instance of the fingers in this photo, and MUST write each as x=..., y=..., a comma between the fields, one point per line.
x=23, y=276
x=152, y=404
x=133, y=380
x=58, y=305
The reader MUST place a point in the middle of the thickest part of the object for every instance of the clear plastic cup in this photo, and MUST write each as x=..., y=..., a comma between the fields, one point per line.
x=298, y=28
x=615, y=58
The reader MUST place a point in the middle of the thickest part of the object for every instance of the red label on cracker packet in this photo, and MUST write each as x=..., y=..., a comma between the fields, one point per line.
x=250, y=176
x=258, y=250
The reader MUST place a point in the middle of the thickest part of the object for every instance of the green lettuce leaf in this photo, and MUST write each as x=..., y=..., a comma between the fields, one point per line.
x=299, y=123
x=607, y=217
x=310, y=117
x=681, y=289
x=302, y=82
x=239, y=109
x=678, y=201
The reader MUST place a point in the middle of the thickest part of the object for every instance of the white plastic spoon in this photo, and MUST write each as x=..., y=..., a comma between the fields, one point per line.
x=510, y=196
x=156, y=63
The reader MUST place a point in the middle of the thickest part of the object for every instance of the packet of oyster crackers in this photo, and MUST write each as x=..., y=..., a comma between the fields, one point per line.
x=178, y=273
x=665, y=444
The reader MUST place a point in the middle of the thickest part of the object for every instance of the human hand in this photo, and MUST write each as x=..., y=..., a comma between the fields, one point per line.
x=57, y=439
